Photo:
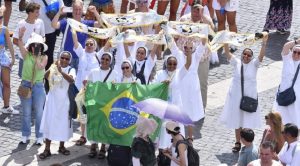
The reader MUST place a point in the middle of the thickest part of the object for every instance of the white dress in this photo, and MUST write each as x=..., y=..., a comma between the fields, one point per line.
x=87, y=62
x=190, y=86
x=291, y=113
x=55, y=124
x=174, y=97
x=232, y=116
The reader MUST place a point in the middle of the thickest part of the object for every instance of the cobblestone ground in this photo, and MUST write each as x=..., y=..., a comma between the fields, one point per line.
x=213, y=140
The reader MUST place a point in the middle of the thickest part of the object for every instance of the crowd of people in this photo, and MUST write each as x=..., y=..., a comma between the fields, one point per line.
x=84, y=59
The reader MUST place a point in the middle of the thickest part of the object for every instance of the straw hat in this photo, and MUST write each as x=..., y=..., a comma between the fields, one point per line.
x=36, y=38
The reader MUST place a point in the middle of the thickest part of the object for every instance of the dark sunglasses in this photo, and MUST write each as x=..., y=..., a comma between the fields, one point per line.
x=296, y=52
x=248, y=55
x=105, y=59
x=266, y=117
x=89, y=44
x=1, y=17
x=141, y=2
x=172, y=64
x=126, y=67
x=186, y=47
x=64, y=58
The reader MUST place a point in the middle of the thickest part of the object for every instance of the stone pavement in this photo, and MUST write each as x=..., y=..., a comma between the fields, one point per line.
x=213, y=141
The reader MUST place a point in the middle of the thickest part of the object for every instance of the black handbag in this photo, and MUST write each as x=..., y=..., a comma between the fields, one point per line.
x=288, y=96
x=163, y=160
x=247, y=104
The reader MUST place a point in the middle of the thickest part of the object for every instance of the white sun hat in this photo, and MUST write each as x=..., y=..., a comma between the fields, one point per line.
x=36, y=38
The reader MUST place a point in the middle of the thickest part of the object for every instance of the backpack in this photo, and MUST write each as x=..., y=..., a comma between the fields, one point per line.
x=192, y=154
x=72, y=92
x=118, y=155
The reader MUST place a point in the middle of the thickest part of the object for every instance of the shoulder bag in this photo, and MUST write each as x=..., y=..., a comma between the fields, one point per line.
x=24, y=91
x=288, y=96
x=247, y=104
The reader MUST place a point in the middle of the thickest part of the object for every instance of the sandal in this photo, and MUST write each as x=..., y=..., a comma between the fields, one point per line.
x=237, y=147
x=81, y=141
x=63, y=151
x=101, y=154
x=45, y=154
x=93, y=152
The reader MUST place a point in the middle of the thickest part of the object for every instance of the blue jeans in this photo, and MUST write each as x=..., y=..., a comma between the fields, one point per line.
x=34, y=103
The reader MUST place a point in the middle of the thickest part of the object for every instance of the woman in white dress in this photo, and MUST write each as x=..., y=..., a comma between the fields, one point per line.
x=103, y=74
x=232, y=116
x=190, y=86
x=142, y=63
x=291, y=60
x=127, y=76
x=55, y=124
x=87, y=61
x=172, y=76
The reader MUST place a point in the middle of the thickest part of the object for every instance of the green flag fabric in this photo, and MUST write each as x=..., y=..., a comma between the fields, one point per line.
x=110, y=116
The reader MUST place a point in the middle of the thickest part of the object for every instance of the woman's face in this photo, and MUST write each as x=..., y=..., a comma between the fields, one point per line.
x=247, y=56
x=142, y=5
x=126, y=69
x=64, y=59
x=36, y=48
x=105, y=62
x=90, y=46
x=296, y=54
x=140, y=54
x=171, y=64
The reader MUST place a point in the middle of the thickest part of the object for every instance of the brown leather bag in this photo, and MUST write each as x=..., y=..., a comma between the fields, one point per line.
x=24, y=91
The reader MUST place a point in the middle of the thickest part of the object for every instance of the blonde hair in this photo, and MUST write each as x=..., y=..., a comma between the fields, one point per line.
x=77, y=2
x=276, y=120
x=145, y=126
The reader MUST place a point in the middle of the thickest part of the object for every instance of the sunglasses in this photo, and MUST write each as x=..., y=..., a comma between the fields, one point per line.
x=172, y=64
x=64, y=58
x=248, y=55
x=1, y=17
x=186, y=47
x=105, y=59
x=296, y=52
x=89, y=44
x=125, y=67
x=266, y=117
x=141, y=2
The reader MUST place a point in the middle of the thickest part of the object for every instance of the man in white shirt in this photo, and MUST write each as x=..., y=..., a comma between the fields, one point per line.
x=290, y=152
x=266, y=154
x=32, y=24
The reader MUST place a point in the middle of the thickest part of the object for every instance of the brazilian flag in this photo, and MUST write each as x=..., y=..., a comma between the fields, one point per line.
x=110, y=114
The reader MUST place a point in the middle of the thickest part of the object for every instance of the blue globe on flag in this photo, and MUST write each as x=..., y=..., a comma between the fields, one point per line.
x=123, y=114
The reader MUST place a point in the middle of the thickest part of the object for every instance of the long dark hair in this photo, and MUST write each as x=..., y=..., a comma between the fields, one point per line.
x=32, y=46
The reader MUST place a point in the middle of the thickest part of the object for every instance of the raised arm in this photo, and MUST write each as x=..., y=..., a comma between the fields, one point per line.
x=188, y=59
x=22, y=48
x=263, y=48
x=228, y=54
x=75, y=39
x=99, y=22
x=288, y=46
x=126, y=49
x=153, y=51
x=55, y=22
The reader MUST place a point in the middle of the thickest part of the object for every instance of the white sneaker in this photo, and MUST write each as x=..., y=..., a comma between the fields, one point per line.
x=9, y=110
x=24, y=139
x=39, y=141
